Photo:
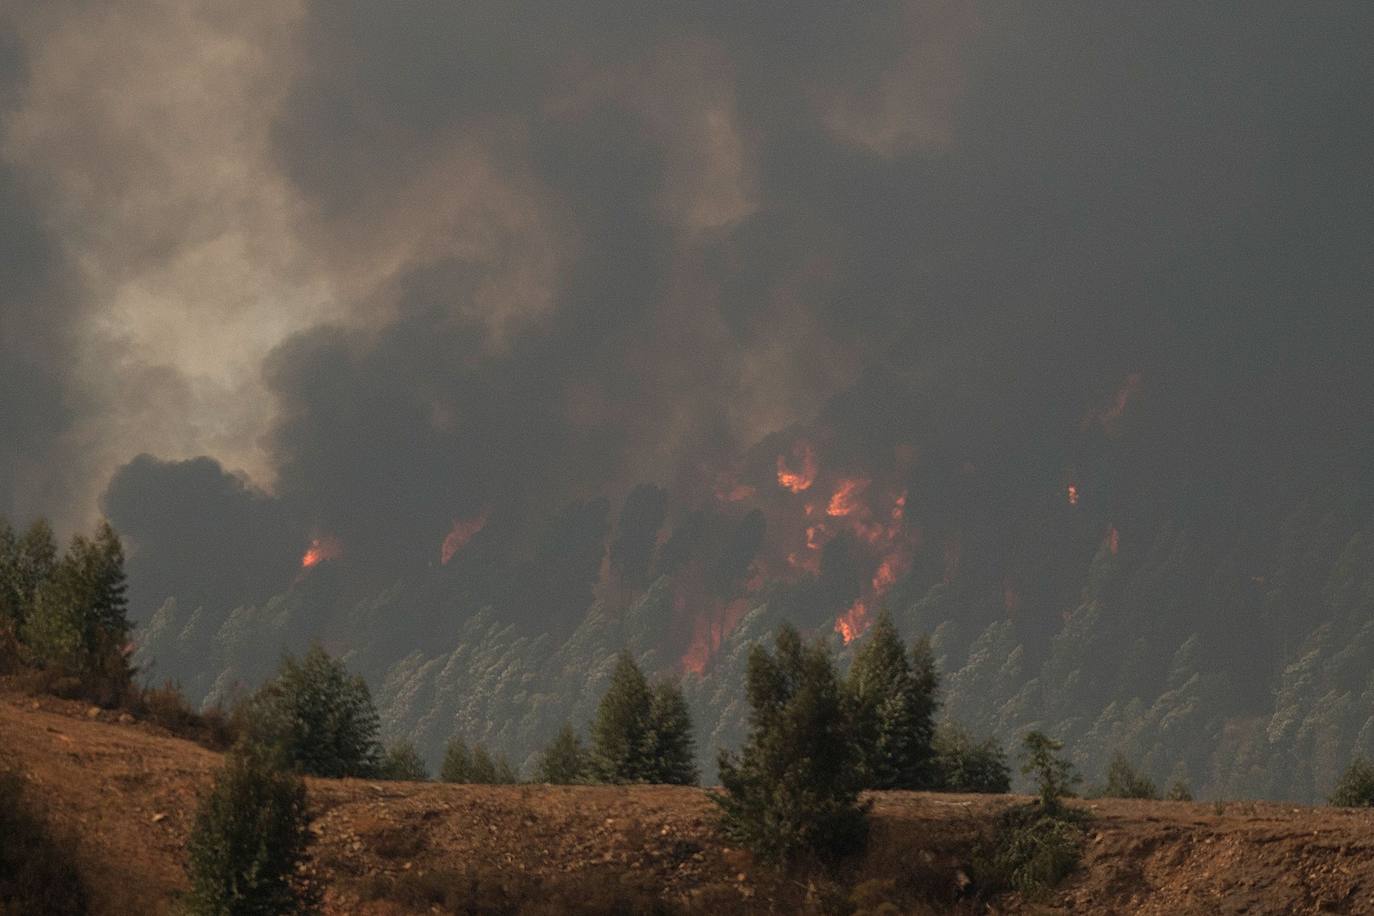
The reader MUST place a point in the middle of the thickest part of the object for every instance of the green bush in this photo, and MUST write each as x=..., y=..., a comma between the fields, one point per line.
x=403, y=763
x=564, y=761
x=1355, y=788
x=317, y=717
x=249, y=841
x=965, y=765
x=1124, y=781
x=38, y=874
x=792, y=793
x=1029, y=850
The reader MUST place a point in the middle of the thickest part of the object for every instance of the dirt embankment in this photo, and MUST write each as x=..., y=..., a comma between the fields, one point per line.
x=128, y=793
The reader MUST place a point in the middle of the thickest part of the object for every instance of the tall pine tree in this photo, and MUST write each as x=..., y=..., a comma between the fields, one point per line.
x=895, y=709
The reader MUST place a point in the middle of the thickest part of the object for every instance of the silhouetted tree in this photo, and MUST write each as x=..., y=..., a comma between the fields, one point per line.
x=475, y=766
x=1355, y=788
x=402, y=762
x=965, y=765
x=621, y=740
x=895, y=709
x=1055, y=777
x=318, y=717
x=249, y=838
x=642, y=733
x=672, y=749
x=793, y=791
x=564, y=761
x=1123, y=781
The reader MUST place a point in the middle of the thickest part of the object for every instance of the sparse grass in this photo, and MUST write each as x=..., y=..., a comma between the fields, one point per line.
x=38, y=874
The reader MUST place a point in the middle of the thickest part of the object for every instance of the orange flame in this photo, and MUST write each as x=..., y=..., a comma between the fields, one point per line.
x=798, y=481
x=845, y=500
x=852, y=622
x=461, y=533
x=708, y=632
x=1073, y=494
x=321, y=549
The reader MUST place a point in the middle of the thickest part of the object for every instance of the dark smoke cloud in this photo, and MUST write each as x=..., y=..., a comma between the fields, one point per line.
x=572, y=250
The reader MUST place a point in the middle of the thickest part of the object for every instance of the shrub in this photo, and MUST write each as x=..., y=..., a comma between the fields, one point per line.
x=249, y=841
x=1030, y=850
x=402, y=762
x=38, y=874
x=317, y=717
x=895, y=707
x=166, y=707
x=1179, y=791
x=1124, y=781
x=1355, y=788
x=965, y=765
x=793, y=792
x=564, y=761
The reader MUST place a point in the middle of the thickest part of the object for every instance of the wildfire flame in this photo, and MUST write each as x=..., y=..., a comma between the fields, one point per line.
x=460, y=534
x=708, y=631
x=845, y=500
x=1072, y=494
x=852, y=622
x=321, y=549
x=798, y=481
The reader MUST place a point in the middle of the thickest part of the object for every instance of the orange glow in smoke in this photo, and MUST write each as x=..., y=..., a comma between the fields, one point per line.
x=321, y=549
x=798, y=481
x=1073, y=495
x=1113, y=540
x=709, y=630
x=461, y=533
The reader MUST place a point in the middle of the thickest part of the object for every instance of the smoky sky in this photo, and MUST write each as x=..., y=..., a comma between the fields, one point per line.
x=373, y=268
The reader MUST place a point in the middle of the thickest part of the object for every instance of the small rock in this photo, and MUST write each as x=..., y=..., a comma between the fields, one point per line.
x=93, y=712
x=125, y=719
x=159, y=817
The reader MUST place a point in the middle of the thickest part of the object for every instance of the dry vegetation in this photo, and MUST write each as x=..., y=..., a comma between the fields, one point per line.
x=127, y=791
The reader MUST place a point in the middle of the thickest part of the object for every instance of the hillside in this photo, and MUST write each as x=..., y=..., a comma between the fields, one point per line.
x=128, y=793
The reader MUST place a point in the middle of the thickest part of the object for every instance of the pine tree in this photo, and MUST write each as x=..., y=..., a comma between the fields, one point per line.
x=318, y=716
x=564, y=761
x=488, y=770
x=621, y=734
x=895, y=711
x=249, y=840
x=793, y=792
x=672, y=753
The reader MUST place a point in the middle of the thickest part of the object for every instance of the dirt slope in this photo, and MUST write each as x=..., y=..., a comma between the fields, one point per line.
x=128, y=793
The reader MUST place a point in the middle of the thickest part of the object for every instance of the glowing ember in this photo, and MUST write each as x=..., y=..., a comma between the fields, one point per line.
x=1073, y=495
x=797, y=481
x=461, y=533
x=1113, y=540
x=321, y=549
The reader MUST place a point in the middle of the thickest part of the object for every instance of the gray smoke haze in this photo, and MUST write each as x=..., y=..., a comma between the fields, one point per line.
x=389, y=266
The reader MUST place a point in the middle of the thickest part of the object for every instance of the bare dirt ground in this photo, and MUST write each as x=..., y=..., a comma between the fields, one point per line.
x=127, y=792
